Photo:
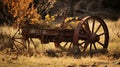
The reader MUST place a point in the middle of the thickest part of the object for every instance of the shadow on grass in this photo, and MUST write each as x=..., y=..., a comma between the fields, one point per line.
x=72, y=53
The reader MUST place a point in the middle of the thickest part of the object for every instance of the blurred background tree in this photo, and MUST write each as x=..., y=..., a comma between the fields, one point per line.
x=21, y=10
x=16, y=11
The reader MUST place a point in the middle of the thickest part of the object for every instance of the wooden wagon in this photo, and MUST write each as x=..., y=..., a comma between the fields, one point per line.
x=90, y=32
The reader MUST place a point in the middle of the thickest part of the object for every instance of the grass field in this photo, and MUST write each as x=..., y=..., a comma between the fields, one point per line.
x=43, y=59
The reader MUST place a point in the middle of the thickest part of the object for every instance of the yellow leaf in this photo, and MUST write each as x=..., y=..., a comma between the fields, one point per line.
x=47, y=16
x=76, y=18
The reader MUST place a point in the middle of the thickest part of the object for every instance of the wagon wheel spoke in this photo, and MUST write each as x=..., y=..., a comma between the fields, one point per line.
x=95, y=46
x=16, y=32
x=93, y=25
x=80, y=44
x=86, y=28
x=100, y=44
x=21, y=43
x=18, y=42
x=98, y=28
x=101, y=34
x=33, y=43
x=16, y=47
x=65, y=44
x=70, y=45
x=85, y=46
x=90, y=47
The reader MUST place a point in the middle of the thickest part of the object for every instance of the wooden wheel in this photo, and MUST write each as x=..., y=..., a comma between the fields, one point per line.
x=20, y=40
x=91, y=33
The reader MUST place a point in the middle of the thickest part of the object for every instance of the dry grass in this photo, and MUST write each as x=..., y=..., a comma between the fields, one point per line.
x=43, y=60
x=114, y=40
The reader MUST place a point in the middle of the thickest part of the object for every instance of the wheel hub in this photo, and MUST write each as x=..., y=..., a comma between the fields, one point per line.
x=94, y=38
